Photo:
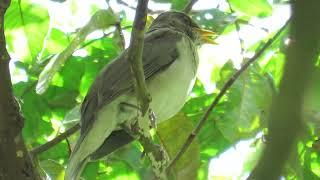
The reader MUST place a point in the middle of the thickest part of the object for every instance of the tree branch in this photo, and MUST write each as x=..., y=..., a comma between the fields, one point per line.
x=56, y=140
x=188, y=7
x=224, y=89
x=135, y=55
x=139, y=130
x=155, y=153
x=285, y=118
x=121, y=42
x=15, y=160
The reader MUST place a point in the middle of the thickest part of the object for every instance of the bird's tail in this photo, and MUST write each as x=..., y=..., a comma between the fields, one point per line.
x=76, y=164
x=91, y=140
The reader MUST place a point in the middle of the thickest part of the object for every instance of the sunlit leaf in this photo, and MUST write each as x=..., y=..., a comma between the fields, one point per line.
x=246, y=105
x=73, y=116
x=173, y=134
x=53, y=169
x=91, y=170
x=178, y=4
x=26, y=26
x=213, y=19
x=260, y=8
x=100, y=20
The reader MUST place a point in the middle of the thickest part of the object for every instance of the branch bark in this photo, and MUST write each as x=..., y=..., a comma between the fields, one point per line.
x=188, y=7
x=135, y=55
x=224, y=89
x=15, y=160
x=285, y=118
x=155, y=153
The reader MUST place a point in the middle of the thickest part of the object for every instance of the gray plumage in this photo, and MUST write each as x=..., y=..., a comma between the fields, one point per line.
x=169, y=75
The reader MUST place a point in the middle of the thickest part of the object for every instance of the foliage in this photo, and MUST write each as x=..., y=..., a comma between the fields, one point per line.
x=35, y=40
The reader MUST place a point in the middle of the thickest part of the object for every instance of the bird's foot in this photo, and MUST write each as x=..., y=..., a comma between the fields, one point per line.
x=151, y=114
x=157, y=154
x=152, y=118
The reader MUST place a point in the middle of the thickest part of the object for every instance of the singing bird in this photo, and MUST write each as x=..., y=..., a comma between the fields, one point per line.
x=170, y=62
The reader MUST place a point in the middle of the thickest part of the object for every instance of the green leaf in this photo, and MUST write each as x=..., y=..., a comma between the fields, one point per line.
x=100, y=20
x=101, y=52
x=246, y=105
x=274, y=67
x=212, y=141
x=118, y=169
x=36, y=113
x=91, y=170
x=213, y=19
x=179, y=4
x=26, y=25
x=60, y=97
x=52, y=169
x=73, y=116
x=56, y=152
x=56, y=42
x=128, y=154
x=173, y=134
x=260, y=8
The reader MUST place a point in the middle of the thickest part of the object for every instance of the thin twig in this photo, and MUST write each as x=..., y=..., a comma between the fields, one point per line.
x=56, y=140
x=188, y=7
x=224, y=89
x=104, y=36
x=69, y=147
x=135, y=55
x=236, y=23
x=122, y=43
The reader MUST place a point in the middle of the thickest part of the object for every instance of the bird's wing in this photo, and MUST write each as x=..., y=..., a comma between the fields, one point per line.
x=159, y=51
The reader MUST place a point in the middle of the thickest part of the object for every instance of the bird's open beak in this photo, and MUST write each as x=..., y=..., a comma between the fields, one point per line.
x=206, y=36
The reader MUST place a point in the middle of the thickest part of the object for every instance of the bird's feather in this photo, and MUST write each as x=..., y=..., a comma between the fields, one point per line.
x=158, y=53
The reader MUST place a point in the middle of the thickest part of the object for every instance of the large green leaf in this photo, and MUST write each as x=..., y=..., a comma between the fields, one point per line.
x=172, y=134
x=36, y=113
x=26, y=25
x=127, y=162
x=213, y=19
x=260, y=8
x=56, y=42
x=91, y=170
x=57, y=152
x=178, y=4
x=212, y=142
x=53, y=170
x=100, y=20
x=246, y=105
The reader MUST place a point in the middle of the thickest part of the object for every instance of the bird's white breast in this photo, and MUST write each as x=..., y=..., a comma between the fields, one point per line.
x=169, y=89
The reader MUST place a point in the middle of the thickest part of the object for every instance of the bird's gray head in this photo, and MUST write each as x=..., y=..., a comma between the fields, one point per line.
x=181, y=22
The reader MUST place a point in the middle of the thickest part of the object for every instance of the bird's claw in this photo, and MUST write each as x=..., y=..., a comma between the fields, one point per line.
x=152, y=118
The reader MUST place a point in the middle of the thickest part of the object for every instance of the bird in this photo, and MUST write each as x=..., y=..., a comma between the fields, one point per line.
x=170, y=61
